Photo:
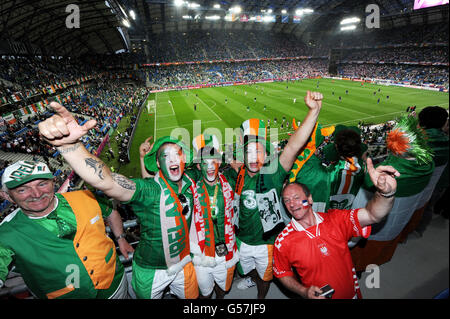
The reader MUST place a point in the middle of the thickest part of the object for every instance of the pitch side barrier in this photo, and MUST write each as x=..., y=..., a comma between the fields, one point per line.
x=425, y=86
x=134, y=126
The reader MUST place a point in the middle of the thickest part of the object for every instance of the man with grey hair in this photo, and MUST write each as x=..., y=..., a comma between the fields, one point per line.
x=58, y=241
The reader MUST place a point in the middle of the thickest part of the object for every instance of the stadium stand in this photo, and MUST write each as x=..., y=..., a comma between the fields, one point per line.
x=109, y=75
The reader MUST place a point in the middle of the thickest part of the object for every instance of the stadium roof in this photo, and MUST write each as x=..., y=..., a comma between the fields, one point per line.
x=42, y=24
x=109, y=26
x=158, y=16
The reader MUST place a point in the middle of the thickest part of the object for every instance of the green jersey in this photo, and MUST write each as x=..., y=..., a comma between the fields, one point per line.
x=259, y=207
x=145, y=203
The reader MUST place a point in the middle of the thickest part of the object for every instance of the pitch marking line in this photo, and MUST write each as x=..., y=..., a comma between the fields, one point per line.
x=218, y=117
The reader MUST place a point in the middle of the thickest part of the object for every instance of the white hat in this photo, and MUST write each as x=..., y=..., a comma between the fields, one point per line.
x=23, y=172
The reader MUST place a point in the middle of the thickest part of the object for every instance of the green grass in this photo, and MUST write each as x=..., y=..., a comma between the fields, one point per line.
x=360, y=104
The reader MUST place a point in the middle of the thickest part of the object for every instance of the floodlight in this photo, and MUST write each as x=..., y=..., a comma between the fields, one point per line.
x=178, y=3
x=132, y=14
x=269, y=11
x=284, y=11
x=350, y=20
x=236, y=9
x=300, y=12
x=193, y=5
x=126, y=23
x=217, y=6
x=349, y=27
x=215, y=17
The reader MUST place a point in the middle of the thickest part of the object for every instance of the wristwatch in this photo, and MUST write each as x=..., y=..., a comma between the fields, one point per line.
x=123, y=235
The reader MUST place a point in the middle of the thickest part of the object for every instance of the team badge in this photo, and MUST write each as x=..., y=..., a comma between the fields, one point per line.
x=324, y=250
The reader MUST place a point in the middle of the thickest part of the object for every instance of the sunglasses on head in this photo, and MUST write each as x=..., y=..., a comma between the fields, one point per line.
x=183, y=201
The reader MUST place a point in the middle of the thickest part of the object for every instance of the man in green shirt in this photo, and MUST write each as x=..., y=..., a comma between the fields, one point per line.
x=57, y=241
x=164, y=205
x=335, y=177
x=258, y=182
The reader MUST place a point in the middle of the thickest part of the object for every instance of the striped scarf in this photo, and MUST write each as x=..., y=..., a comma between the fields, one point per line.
x=203, y=242
x=174, y=228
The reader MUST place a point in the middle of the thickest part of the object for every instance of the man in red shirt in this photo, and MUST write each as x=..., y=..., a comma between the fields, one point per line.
x=315, y=244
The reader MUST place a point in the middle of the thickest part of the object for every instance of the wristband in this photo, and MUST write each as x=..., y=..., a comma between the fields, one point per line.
x=387, y=195
x=120, y=236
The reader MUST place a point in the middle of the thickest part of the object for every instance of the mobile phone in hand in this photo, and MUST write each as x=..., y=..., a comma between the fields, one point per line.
x=327, y=291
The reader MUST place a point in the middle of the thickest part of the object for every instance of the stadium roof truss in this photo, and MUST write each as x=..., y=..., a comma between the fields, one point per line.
x=43, y=24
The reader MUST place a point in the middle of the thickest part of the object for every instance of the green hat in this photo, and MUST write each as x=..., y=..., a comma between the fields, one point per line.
x=330, y=152
x=150, y=157
x=23, y=172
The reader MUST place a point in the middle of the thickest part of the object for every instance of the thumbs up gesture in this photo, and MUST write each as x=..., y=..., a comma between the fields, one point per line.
x=62, y=128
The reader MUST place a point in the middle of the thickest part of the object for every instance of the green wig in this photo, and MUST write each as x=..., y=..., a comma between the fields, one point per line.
x=408, y=139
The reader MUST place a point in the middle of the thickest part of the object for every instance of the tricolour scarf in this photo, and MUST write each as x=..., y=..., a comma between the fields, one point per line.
x=174, y=228
x=203, y=243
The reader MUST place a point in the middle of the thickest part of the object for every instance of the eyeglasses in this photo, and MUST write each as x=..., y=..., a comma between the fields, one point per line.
x=183, y=201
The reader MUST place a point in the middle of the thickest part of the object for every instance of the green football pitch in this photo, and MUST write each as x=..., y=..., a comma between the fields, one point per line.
x=222, y=108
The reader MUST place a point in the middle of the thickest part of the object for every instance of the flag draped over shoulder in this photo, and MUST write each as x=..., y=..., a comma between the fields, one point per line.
x=317, y=137
x=413, y=178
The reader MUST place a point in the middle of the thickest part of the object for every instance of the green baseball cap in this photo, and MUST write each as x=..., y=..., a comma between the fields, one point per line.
x=23, y=172
x=150, y=157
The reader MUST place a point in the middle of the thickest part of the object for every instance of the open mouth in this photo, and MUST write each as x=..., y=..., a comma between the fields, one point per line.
x=254, y=166
x=174, y=169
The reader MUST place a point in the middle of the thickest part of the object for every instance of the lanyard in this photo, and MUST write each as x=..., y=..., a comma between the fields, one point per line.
x=216, y=190
x=213, y=204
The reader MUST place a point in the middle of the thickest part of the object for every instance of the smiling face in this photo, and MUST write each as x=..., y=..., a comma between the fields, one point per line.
x=255, y=156
x=297, y=203
x=210, y=169
x=34, y=198
x=171, y=160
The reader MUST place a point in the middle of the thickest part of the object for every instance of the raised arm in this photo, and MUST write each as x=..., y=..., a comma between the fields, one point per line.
x=62, y=130
x=298, y=140
x=383, y=178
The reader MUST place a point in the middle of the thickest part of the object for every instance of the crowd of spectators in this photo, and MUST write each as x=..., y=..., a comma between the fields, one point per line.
x=191, y=74
x=104, y=101
x=409, y=35
x=436, y=54
x=414, y=74
x=204, y=45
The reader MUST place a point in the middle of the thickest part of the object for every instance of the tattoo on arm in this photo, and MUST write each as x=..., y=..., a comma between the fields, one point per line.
x=96, y=165
x=123, y=181
x=69, y=149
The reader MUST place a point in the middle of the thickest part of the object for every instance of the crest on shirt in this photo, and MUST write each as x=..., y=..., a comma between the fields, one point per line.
x=324, y=250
